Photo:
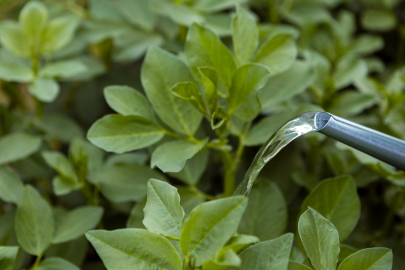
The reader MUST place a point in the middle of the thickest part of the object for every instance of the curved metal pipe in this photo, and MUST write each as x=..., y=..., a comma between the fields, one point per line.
x=374, y=143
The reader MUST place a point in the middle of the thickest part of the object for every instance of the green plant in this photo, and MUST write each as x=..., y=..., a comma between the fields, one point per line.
x=175, y=97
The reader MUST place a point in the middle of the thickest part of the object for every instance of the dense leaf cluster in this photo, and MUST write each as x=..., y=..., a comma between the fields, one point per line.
x=125, y=126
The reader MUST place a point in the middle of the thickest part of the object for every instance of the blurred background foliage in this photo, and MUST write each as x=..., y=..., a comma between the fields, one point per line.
x=344, y=57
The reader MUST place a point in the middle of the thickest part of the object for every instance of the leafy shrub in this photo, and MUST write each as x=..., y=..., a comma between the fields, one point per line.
x=175, y=97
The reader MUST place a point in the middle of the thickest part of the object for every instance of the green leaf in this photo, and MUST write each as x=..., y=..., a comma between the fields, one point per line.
x=194, y=169
x=163, y=213
x=345, y=251
x=239, y=242
x=137, y=215
x=74, y=251
x=272, y=254
x=266, y=206
x=246, y=79
x=61, y=164
x=11, y=187
x=225, y=259
x=378, y=20
x=63, y=69
x=216, y=5
x=351, y=103
x=180, y=14
x=348, y=70
x=138, y=157
x=83, y=153
x=172, y=156
x=366, y=44
x=124, y=182
x=160, y=72
x=320, y=239
x=189, y=199
x=16, y=146
x=46, y=90
x=138, y=13
x=8, y=257
x=210, y=224
x=336, y=199
x=56, y=264
x=369, y=259
x=13, y=38
x=15, y=71
x=33, y=18
x=136, y=248
x=58, y=33
x=297, y=266
x=205, y=49
x=127, y=101
x=245, y=35
x=282, y=87
x=278, y=53
x=59, y=127
x=209, y=82
x=189, y=91
x=119, y=134
x=75, y=223
x=34, y=222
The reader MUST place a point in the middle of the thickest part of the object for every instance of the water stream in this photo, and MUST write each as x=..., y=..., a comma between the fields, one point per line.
x=296, y=127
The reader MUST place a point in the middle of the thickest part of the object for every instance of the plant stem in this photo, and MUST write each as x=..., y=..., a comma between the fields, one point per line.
x=174, y=135
x=39, y=108
x=37, y=261
x=273, y=14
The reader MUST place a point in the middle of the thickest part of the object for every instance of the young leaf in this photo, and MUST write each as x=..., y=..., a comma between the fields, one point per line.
x=245, y=35
x=297, y=266
x=13, y=38
x=172, y=156
x=119, y=134
x=11, y=187
x=63, y=69
x=160, y=72
x=127, y=101
x=34, y=222
x=76, y=222
x=134, y=248
x=351, y=103
x=239, y=242
x=194, y=169
x=8, y=257
x=272, y=254
x=16, y=146
x=81, y=151
x=336, y=199
x=205, y=49
x=277, y=53
x=45, y=90
x=189, y=91
x=266, y=206
x=349, y=69
x=210, y=224
x=209, y=81
x=56, y=264
x=368, y=259
x=61, y=164
x=33, y=18
x=163, y=213
x=320, y=239
x=15, y=71
x=225, y=259
x=246, y=79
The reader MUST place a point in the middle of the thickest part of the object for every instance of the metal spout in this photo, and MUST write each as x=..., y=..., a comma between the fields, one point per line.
x=374, y=143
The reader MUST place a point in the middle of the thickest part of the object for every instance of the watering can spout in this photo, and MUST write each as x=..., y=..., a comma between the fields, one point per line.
x=374, y=143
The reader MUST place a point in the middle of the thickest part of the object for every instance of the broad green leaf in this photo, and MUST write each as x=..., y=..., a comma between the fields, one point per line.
x=45, y=90
x=286, y=85
x=320, y=239
x=127, y=101
x=246, y=79
x=124, y=182
x=351, y=103
x=137, y=215
x=368, y=259
x=271, y=255
x=16, y=146
x=336, y=199
x=210, y=224
x=266, y=206
x=250, y=108
x=63, y=69
x=348, y=70
x=205, y=49
x=366, y=44
x=194, y=169
x=34, y=223
x=216, y=5
x=172, y=156
x=160, y=72
x=83, y=153
x=378, y=20
x=8, y=257
x=58, y=33
x=209, y=82
x=297, y=266
x=134, y=249
x=33, y=18
x=119, y=134
x=13, y=38
x=190, y=198
x=163, y=213
x=138, y=13
x=138, y=157
x=277, y=53
x=73, y=251
x=220, y=23
x=61, y=164
x=305, y=13
x=239, y=242
x=15, y=71
x=245, y=35
x=63, y=185
x=189, y=91
x=180, y=14
x=56, y=264
x=11, y=187
x=59, y=127
x=225, y=259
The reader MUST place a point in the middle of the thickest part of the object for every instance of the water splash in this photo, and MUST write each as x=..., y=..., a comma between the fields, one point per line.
x=296, y=127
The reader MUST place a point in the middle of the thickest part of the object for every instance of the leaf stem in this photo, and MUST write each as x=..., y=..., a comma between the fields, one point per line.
x=174, y=135
x=37, y=261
